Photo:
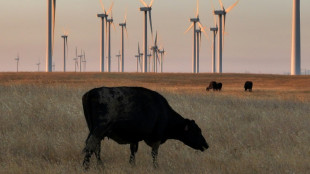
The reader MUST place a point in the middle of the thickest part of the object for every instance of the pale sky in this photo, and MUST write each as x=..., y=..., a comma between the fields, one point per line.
x=258, y=39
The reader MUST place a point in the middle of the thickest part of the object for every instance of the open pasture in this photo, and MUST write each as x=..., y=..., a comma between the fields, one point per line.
x=43, y=129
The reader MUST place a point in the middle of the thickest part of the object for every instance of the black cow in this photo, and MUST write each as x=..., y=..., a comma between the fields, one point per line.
x=215, y=86
x=129, y=115
x=248, y=86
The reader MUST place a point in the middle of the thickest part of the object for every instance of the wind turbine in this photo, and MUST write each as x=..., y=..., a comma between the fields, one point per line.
x=38, y=64
x=81, y=59
x=65, y=37
x=193, y=25
x=123, y=25
x=50, y=33
x=103, y=16
x=296, y=45
x=214, y=30
x=162, y=53
x=155, y=55
x=17, y=62
x=109, y=21
x=76, y=64
x=84, y=61
x=118, y=60
x=53, y=66
x=222, y=14
x=145, y=9
x=138, y=56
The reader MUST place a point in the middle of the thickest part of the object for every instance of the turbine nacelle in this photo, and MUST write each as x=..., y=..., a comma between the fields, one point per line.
x=194, y=19
x=214, y=29
x=103, y=15
x=122, y=24
x=145, y=8
x=219, y=12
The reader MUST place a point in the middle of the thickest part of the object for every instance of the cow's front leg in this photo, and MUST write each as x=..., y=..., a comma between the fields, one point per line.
x=133, y=150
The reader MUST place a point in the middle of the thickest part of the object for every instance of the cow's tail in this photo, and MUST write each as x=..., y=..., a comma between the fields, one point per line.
x=87, y=110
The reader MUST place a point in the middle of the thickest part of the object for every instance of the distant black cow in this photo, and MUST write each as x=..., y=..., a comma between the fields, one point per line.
x=248, y=86
x=129, y=115
x=215, y=86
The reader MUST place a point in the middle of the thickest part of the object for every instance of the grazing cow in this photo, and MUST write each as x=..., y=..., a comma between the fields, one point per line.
x=215, y=86
x=129, y=115
x=248, y=86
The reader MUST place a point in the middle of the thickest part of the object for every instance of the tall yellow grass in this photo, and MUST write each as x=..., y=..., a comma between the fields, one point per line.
x=43, y=129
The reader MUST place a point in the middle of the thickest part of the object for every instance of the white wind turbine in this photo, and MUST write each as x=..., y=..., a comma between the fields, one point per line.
x=124, y=26
x=154, y=48
x=103, y=16
x=50, y=33
x=138, y=56
x=109, y=22
x=118, y=60
x=193, y=25
x=38, y=64
x=214, y=30
x=84, y=61
x=145, y=9
x=76, y=64
x=162, y=52
x=198, y=35
x=222, y=14
x=296, y=45
x=17, y=62
x=65, y=37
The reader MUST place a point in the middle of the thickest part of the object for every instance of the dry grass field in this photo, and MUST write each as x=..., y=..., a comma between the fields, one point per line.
x=43, y=129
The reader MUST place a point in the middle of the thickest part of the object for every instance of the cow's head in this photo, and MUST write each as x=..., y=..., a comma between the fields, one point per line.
x=193, y=137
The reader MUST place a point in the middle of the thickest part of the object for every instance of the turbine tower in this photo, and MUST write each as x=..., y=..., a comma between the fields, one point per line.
x=50, y=33
x=296, y=45
x=146, y=9
x=84, y=61
x=198, y=35
x=139, y=59
x=65, y=37
x=193, y=25
x=123, y=25
x=17, y=62
x=103, y=16
x=222, y=14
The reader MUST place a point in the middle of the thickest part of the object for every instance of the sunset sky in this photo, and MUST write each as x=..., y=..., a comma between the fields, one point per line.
x=258, y=39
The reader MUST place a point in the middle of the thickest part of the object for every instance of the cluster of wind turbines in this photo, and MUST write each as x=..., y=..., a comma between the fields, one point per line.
x=219, y=29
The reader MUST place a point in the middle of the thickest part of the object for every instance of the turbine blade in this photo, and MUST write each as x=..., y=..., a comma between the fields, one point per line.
x=203, y=30
x=145, y=5
x=214, y=18
x=190, y=27
x=156, y=39
x=231, y=7
x=138, y=49
x=212, y=5
x=221, y=3
x=150, y=15
x=102, y=6
x=110, y=9
x=151, y=3
x=126, y=32
x=197, y=12
x=113, y=26
x=125, y=18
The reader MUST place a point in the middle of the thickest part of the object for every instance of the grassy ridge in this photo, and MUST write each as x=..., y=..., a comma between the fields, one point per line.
x=43, y=129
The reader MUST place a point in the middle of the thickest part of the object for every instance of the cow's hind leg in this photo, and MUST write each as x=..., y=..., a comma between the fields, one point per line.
x=97, y=153
x=155, y=148
x=133, y=150
x=92, y=145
